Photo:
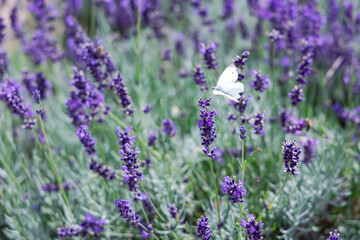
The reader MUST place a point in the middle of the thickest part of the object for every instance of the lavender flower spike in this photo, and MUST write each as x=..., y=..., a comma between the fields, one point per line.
x=207, y=127
x=235, y=190
x=291, y=155
x=104, y=171
x=242, y=132
x=240, y=62
x=208, y=53
x=334, y=235
x=260, y=83
x=126, y=212
x=87, y=141
x=203, y=229
x=252, y=228
x=296, y=95
x=199, y=78
x=169, y=127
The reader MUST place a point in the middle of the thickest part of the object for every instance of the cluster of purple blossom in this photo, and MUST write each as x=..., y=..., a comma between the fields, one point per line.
x=90, y=225
x=207, y=127
x=54, y=187
x=130, y=154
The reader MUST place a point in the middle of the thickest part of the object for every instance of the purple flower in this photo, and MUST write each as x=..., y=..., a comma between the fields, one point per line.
x=208, y=52
x=242, y=104
x=179, y=45
x=130, y=157
x=75, y=39
x=2, y=28
x=207, y=127
x=95, y=225
x=118, y=85
x=296, y=95
x=308, y=144
x=258, y=124
x=126, y=212
x=10, y=94
x=228, y=8
x=37, y=81
x=51, y=187
x=19, y=34
x=242, y=132
x=292, y=125
x=252, y=228
x=235, y=190
x=147, y=109
x=203, y=229
x=199, y=78
x=86, y=102
x=243, y=29
x=260, y=83
x=240, y=62
x=99, y=64
x=104, y=171
x=169, y=127
x=291, y=156
x=305, y=68
x=87, y=141
x=152, y=138
x=4, y=63
x=173, y=211
x=166, y=55
x=68, y=232
x=334, y=235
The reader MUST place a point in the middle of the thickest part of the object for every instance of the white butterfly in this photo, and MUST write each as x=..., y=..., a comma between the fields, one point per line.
x=228, y=84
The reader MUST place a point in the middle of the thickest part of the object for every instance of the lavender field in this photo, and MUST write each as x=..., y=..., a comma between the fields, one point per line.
x=116, y=124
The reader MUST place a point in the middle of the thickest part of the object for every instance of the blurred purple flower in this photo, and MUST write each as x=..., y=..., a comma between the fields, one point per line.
x=68, y=232
x=33, y=81
x=308, y=144
x=208, y=52
x=169, y=127
x=199, y=78
x=87, y=141
x=258, y=124
x=152, y=138
x=173, y=211
x=104, y=171
x=4, y=63
x=334, y=235
x=260, y=83
x=296, y=95
x=228, y=9
x=95, y=225
x=240, y=62
x=2, y=28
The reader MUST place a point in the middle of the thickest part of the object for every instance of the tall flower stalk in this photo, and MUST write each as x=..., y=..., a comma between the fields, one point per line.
x=207, y=128
x=51, y=158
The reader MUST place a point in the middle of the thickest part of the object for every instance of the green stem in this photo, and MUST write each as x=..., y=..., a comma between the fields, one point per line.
x=92, y=18
x=280, y=190
x=144, y=213
x=11, y=174
x=152, y=204
x=216, y=191
x=53, y=166
x=138, y=58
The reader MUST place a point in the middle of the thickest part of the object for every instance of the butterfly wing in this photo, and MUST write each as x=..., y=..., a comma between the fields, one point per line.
x=229, y=76
x=228, y=85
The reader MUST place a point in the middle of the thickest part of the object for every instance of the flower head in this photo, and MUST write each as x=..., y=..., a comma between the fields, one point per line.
x=173, y=211
x=68, y=232
x=36, y=95
x=308, y=144
x=207, y=127
x=118, y=85
x=203, y=229
x=291, y=155
x=260, y=83
x=87, y=141
x=240, y=62
x=126, y=212
x=169, y=127
x=199, y=78
x=95, y=225
x=242, y=132
x=296, y=95
x=104, y=171
x=208, y=52
x=334, y=235
x=252, y=228
x=234, y=189
x=259, y=123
